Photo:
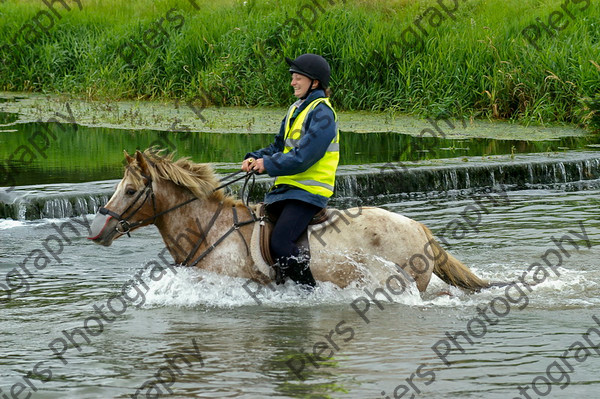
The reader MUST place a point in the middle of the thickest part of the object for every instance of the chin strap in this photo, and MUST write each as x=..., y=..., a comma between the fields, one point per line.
x=310, y=90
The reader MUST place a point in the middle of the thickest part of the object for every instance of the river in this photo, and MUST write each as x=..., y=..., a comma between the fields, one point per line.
x=85, y=321
x=234, y=347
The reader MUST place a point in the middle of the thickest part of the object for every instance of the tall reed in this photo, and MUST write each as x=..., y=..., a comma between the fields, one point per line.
x=477, y=62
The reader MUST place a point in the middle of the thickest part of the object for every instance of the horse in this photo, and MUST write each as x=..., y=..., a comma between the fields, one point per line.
x=204, y=227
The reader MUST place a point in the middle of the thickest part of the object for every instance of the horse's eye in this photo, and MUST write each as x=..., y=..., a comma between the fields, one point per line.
x=130, y=191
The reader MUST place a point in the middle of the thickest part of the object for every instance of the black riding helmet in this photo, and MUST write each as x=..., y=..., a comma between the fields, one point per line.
x=312, y=66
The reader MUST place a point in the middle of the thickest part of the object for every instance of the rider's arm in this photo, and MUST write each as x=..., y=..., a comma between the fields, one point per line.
x=320, y=131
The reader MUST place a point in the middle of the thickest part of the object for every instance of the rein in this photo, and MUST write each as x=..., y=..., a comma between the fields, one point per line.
x=235, y=227
x=124, y=226
x=236, y=223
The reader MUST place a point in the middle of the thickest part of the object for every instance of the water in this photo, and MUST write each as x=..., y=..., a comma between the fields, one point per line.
x=227, y=345
x=38, y=153
x=244, y=347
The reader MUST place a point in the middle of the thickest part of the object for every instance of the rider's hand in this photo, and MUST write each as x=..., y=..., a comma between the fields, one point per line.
x=253, y=164
x=258, y=165
x=247, y=164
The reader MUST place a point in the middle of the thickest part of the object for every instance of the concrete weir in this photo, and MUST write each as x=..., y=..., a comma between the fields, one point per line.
x=370, y=183
x=440, y=177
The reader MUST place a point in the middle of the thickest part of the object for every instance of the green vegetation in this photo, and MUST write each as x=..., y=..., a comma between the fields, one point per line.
x=592, y=113
x=474, y=61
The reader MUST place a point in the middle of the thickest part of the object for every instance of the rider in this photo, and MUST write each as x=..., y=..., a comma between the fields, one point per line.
x=304, y=159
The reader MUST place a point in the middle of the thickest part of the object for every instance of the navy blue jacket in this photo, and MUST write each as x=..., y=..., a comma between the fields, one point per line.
x=320, y=130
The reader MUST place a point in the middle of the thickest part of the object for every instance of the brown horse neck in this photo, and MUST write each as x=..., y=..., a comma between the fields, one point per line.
x=201, y=222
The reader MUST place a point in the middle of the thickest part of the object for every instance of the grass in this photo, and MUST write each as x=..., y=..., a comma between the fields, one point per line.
x=475, y=64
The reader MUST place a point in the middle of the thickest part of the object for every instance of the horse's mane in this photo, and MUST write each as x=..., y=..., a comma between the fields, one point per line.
x=199, y=178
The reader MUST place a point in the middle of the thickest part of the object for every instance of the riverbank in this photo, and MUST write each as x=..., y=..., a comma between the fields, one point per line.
x=444, y=58
x=181, y=116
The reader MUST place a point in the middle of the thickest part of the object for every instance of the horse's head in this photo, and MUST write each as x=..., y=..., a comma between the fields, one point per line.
x=132, y=205
x=150, y=185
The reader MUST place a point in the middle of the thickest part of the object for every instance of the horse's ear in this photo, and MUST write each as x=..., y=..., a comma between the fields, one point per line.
x=128, y=157
x=142, y=162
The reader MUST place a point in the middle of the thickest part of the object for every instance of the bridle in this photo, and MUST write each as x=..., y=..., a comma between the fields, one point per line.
x=124, y=226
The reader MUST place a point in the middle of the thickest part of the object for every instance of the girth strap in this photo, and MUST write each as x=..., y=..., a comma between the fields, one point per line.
x=237, y=224
x=204, y=234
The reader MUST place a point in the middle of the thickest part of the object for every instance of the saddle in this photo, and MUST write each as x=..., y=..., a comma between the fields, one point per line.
x=267, y=222
x=260, y=243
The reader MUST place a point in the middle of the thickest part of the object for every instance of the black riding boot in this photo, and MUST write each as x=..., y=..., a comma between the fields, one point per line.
x=300, y=273
x=279, y=276
x=298, y=269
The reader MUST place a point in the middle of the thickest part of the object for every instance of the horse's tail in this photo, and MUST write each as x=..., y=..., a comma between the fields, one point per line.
x=451, y=270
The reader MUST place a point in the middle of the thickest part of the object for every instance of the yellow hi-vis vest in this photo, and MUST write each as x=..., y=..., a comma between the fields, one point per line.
x=319, y=178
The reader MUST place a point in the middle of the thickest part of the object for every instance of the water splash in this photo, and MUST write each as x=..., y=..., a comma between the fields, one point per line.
x=191, y=287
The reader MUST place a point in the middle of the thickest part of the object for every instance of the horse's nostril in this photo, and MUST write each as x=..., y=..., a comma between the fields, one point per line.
x=98, y=226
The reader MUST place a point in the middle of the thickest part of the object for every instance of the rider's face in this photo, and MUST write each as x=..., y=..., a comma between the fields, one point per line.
x=301, y=83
